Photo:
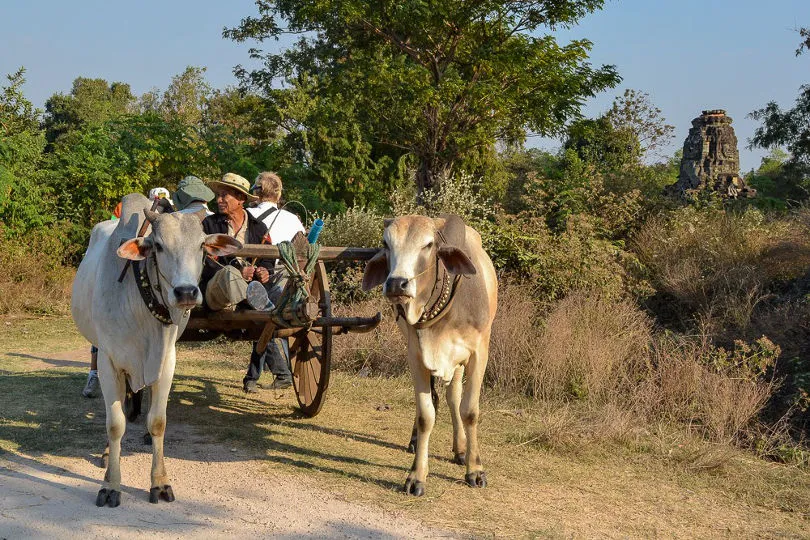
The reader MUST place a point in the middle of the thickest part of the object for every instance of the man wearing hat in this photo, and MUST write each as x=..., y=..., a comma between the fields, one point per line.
x=192, y=195
x=225, y=281
x=282, y=226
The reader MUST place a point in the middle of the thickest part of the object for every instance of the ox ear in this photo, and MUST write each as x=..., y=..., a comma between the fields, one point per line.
x=452, y=242
x=376, y=271
x=220, y=245
x=136, y=249
x=456, y=261
x=387, y=222
x=452, y=231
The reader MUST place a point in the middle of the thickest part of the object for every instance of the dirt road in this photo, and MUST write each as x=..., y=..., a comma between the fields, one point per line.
x=220, y=492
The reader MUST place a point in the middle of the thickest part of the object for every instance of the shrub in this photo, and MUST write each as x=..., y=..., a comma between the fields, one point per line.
x=356, y=227
x=460, y=195
x=33, y=277
x=714, y=266
x=552, y=265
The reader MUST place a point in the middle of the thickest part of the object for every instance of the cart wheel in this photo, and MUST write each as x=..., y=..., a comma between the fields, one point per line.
x=312, y=351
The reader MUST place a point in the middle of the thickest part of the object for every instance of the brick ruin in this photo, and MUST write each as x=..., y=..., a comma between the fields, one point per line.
x=711, y=159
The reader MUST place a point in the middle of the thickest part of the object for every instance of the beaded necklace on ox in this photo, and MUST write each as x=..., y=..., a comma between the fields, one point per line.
x=441, y=297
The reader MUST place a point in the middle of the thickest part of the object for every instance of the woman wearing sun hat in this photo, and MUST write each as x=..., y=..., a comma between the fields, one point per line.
x=224, y=282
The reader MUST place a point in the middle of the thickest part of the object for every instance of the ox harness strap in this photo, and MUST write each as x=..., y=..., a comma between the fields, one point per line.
x=157, y=309
x=442, y=297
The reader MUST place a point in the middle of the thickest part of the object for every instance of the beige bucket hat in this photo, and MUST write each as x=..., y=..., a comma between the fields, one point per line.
x=226, y=289
x=234, y=181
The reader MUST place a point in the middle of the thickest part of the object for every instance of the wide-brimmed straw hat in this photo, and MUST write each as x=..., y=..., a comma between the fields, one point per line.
x=236, y=182
x=191, y=189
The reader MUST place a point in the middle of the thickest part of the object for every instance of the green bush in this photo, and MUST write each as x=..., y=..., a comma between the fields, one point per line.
x=356, y=227
x=554, y=264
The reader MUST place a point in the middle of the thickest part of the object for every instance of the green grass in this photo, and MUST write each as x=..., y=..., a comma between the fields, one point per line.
x=555, y=469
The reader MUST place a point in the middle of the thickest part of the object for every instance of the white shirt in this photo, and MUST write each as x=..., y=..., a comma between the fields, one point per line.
x=196, y=206
x=281, y=225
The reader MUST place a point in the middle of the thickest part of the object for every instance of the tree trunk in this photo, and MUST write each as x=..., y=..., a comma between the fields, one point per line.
x=426, y=179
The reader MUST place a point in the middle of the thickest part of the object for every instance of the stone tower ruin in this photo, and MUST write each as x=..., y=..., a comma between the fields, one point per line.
x=711, y=160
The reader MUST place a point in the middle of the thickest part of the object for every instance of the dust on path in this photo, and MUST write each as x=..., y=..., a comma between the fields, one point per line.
x=218, y=494
x=221, y=492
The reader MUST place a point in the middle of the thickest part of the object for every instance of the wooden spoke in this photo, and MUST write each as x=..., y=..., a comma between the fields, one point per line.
x=312, y=350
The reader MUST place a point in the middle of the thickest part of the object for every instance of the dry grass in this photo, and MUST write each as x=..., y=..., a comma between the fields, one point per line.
x=718, y=404
x=716, y=265
x=611, y=477
x=588, y=347
x=32, y=277
x=380, y=352
x=601, y=353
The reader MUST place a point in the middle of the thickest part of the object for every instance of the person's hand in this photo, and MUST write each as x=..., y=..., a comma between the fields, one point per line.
x=247, y=272
x=262, y=274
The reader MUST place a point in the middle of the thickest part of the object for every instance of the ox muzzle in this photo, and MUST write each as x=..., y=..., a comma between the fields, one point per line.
x=187, y=296
x=398, y=289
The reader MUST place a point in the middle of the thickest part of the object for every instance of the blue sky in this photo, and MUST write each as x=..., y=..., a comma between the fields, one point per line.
x=688, y=55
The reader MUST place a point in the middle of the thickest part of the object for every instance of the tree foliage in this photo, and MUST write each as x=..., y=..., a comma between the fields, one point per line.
x=621, y=143
x=634, y=112
x=805, y=44
x=434, y=80
x=788, y=128
x=22, y=201
x=90, y=101
x=186, y=99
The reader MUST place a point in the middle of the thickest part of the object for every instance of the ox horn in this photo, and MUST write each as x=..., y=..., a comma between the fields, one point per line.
x=150, y=216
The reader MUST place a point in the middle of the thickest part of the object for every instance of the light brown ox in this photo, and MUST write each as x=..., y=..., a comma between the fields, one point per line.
x=443, y=288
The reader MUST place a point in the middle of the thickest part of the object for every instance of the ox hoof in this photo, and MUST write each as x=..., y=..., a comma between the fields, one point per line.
x=412, y=447
x=476, y=479
x=108, y=497
x=161, y=492
x=459, y=459
x=414, y=487
x=147, y=439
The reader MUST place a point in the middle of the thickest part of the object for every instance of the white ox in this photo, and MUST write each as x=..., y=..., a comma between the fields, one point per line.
x=443, y=287
x=133, y=345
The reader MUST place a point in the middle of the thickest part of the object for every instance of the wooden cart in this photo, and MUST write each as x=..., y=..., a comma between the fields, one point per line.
x=310, y=336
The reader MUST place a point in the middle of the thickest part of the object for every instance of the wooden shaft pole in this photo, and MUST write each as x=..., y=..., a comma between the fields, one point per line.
x=327, y=253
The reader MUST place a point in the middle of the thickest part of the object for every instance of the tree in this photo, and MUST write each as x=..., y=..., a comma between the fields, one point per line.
x=23, y=204
x=599, y=142
x=789, y=128
x=620, y=144
x=187, y=96
x=91, y=101
x=435, y=80
x=805, y=34
x=634, y=112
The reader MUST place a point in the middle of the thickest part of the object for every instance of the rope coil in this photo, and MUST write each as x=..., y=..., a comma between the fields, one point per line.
x=295, y=293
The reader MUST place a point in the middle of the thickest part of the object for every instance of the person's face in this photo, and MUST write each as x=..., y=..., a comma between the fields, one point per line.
x=229, y=201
